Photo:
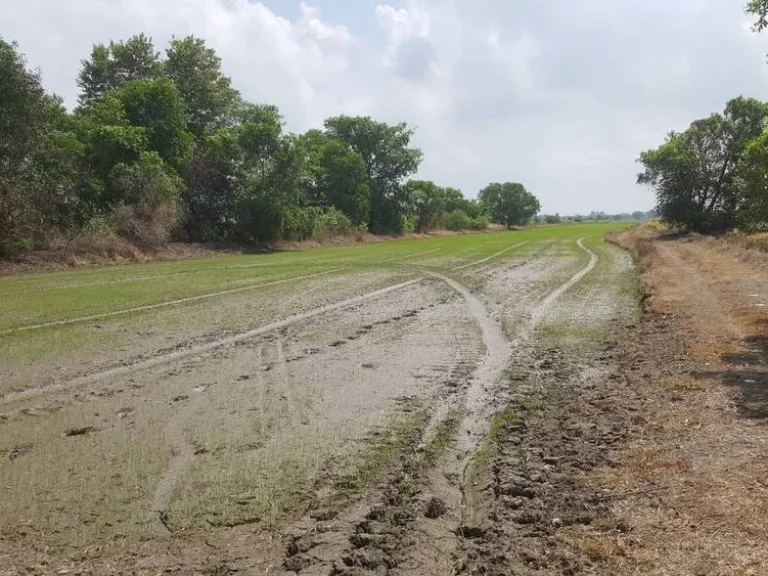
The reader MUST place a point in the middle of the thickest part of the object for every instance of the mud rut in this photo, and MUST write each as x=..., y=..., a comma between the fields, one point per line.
x=359, y=539
x=392, y=530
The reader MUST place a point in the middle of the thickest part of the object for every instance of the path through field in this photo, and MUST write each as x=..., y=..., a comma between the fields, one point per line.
x=320, y=412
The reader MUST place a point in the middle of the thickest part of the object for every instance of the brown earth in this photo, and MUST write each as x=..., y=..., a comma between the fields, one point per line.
x=657, y=463
x=323, y=442
x=643, y=452
x=689, y=493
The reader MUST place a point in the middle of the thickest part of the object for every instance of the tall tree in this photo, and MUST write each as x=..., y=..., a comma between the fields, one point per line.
x=429, y=203
x=335, y=176
x=752, y=185
x=22, y=124
x=509, y=203
x=156, y=105
x=109, y=139
x=389, y=160
x=112, y=66
x=213, y=181
x=693, y=173
x=207, y=92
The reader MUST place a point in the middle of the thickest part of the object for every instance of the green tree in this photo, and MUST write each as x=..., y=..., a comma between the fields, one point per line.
x=112, y=66
x=207, y=92
x=752, y=184
x=62, y=174
x=109, y=139
x=335, y=175
x=271, y=163
x=509, y=203
x=23, y=124
x=150, y=199
x=156, y=105
x=213, y=181
x=428, y=201
x=693, y=173
x=389, y=161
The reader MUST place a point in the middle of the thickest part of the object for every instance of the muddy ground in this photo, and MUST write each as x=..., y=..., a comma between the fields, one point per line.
x=520, y=416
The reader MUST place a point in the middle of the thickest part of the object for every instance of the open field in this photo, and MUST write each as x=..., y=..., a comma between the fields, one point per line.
x=332, y=411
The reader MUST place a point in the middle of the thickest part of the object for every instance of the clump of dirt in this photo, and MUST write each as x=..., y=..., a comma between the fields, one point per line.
x=84, y=431
x=561, y=424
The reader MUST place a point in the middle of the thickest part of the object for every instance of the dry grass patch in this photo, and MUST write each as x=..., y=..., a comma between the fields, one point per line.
x=689, y=495
x=687, y=383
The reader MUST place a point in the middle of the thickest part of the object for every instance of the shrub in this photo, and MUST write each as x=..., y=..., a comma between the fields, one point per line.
x=457, y=220
x=460, y=220
x=148, y=208
x=298, y=223
x=333, y=222
x=481, y=222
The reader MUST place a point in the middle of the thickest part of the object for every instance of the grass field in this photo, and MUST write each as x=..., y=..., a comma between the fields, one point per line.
x=146, y=401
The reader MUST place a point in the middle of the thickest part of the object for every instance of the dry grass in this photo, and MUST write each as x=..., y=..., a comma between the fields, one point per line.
x=694, y=494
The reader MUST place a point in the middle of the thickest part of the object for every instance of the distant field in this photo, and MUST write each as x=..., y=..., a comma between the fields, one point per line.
x=144, y=402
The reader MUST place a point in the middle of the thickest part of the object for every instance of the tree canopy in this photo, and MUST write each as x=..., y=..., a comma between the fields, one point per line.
x=509, y=203
x=713, y=176
x=694, y=172
x=164, y=147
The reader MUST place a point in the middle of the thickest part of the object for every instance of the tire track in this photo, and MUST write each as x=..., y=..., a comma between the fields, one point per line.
x=542, y=309
x=481, y=414
x=125, y=311
x=203, y=348
x=448, y=478
x=169, y=303
x=479, y=404
x=491, y=257
x=215, y=344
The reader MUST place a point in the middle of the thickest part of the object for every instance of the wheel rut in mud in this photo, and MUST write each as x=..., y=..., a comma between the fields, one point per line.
x=430, y=504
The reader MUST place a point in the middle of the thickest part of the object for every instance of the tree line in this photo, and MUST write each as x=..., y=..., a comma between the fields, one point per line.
x=713, y=176
x=163, y=147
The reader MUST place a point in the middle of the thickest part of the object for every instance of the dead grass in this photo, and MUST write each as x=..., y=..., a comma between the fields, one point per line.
x=693, y=494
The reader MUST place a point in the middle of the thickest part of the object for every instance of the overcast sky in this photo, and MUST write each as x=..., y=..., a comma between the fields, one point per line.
x=560, y=95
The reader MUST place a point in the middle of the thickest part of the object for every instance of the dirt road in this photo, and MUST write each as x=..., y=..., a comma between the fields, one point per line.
x=364, y=432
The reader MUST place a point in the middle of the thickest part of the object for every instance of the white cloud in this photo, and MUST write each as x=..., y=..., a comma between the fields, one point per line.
x=559, y=95
x=404, y=23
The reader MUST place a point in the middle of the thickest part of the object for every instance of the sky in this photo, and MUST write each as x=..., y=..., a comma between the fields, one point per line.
x=560, y=95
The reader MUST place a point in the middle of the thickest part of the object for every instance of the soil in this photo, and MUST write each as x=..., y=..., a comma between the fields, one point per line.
x=520, y=417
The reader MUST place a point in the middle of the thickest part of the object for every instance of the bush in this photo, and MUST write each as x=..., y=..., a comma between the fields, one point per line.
x=460, y=220
x=481, y=222
x=145, y=225
x=457, y=220
x=333, y=222
x=298, y=223
x=148, y=207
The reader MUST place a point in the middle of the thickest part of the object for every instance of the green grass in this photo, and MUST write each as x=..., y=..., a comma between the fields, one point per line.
x=36, y=298
x=31, y=354
x=377, y=458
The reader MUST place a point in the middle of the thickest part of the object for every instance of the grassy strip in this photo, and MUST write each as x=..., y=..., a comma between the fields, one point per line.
x=380, y=457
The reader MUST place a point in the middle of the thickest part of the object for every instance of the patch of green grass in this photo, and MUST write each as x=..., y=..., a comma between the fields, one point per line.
x=487, y=448
x=444, y=435
x=30, y=299
x=383, y=451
